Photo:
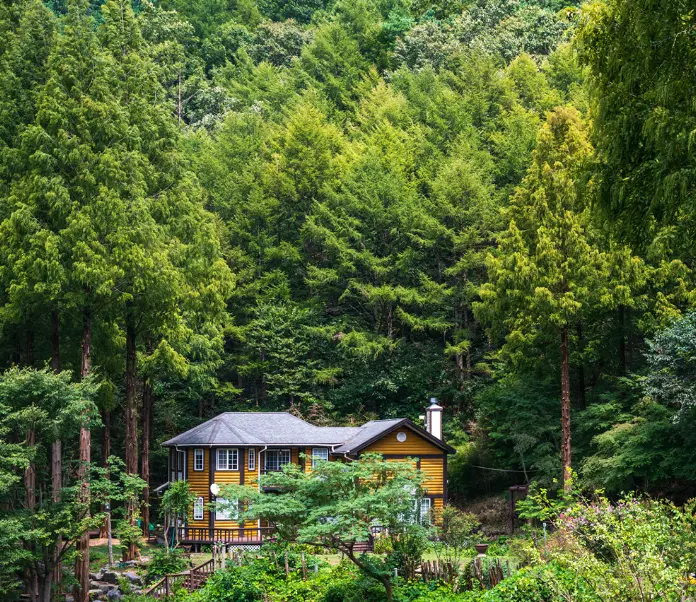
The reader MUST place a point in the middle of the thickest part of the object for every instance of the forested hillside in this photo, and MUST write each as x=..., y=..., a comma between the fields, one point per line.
x=342, y=209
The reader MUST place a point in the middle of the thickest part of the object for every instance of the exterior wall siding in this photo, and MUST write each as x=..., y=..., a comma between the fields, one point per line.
x=198, y=482
x=230, y=477
x=429, y=459
x=433, y=472
x=426, y=456
x=414, y=445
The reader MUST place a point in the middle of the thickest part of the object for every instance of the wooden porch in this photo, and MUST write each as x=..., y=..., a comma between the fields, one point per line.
x=250, y=536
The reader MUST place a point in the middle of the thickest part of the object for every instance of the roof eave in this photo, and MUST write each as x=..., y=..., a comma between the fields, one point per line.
x=448, y=449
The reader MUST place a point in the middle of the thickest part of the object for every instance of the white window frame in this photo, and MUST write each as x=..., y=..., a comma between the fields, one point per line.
x=277, y=454
x=231, y=513
x=322, y=456
x=198, y=508
x=231, y=455
x=198, y=454
x=251, y=459
x=424, y=513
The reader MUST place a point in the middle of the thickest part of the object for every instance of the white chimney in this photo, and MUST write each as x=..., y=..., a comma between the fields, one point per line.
x=433, y=420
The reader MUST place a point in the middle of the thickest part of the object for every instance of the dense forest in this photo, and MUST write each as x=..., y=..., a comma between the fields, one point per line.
x=341, y=209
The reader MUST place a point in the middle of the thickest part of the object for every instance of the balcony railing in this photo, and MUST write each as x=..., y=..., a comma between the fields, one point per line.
x=239, y=535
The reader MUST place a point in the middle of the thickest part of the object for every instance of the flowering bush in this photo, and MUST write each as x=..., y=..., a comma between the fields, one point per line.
x=633, y=549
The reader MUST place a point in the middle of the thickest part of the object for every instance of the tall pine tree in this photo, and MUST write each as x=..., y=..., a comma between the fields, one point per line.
x=548, y=271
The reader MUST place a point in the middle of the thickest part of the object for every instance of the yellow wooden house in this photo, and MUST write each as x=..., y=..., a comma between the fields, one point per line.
x=239, y=447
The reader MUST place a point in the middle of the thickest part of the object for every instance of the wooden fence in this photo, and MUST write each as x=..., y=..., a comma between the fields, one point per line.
x=480, y=573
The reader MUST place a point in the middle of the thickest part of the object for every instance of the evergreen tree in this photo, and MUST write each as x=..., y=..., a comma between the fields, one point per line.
x=549, y=271
x=639, y=59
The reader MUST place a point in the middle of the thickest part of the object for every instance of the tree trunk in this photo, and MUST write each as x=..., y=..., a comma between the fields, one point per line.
x=81, y=593
x=131, y=415
x=130, y=394
x=30, y=474
x=106, y=437
x=56, y=486
x=388, y=588
x=622, y=339
x=106, y=453
x=56, y=452
x=145, y=455
x=468, y=348
x=56, y=470
x=32, y=583
x=45, y=587
x=565, y=410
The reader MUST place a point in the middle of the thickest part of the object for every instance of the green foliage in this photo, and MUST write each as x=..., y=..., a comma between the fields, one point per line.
x=455, y=535
x=234, y=585
x=370, y=172
x=633, y=549
x=336, y=504
x=671, y=362
x=527, y=585
x=638, y=68
x=547, y=270
x=178, y=498
x=129, y=535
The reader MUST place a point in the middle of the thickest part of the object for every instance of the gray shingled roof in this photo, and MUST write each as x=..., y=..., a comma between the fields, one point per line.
x=281, y=428
x=261, y=428
x=368, y=431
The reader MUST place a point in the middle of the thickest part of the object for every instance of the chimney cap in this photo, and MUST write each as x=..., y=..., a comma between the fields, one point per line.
x=434, y=404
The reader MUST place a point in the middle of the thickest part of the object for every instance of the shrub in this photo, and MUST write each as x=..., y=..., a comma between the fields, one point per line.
x=240, y=584
x=526, y=585
x=128, y=534
x=456, y=534
x=164, y=563
x=500, y=547
x=634, y=549
x=383, y=545
x=355, y=589
x=434, y=592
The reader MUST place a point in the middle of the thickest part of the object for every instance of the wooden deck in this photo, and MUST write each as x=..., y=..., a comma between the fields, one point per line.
x=250, y=536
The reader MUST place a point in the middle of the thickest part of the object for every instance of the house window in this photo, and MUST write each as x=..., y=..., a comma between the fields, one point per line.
x=425, y=517
x=198, y=509
x=226, y=509
x=228, y=459
x=319, y=454
x=276, y=459
x=180, y=463
x=198, y=462
x=251, y=462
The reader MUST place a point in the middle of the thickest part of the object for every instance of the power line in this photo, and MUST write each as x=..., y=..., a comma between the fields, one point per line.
x=503, y=469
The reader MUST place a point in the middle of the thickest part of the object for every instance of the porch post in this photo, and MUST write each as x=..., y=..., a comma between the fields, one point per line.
x=242, y=470
x=211, y=478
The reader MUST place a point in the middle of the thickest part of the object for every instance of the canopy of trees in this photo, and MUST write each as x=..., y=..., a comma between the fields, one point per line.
x=341, y=208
